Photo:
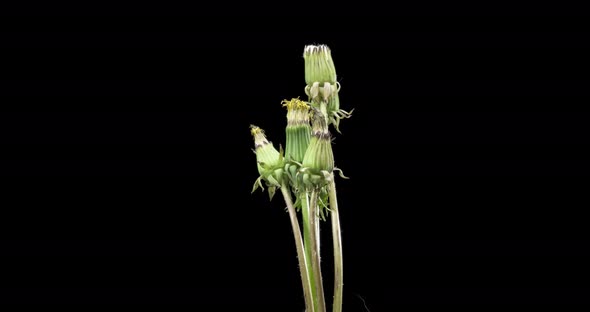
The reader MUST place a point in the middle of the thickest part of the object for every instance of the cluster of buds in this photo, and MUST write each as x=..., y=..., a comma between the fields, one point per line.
x=322, y=87
x=308, y=162
x=307, y=170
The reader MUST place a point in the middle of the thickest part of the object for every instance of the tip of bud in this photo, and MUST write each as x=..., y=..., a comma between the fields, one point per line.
x=297, y=111
x=319, y=66
x=255, y=130
x=295, y=104
x=312, y=49
x=259, y=136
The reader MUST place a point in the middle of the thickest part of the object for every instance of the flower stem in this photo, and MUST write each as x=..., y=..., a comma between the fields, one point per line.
x=303, y=262
x=307, y=238
x=315, y=250
x=337, y=242
x=324, y=110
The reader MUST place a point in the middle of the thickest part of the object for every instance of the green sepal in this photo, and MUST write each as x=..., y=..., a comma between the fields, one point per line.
x=297, y=203
x=272, y=181
x=322, y=204
x=306, y=179
x=257, y=184
x=281, y=153
x=293, y=172
x=340, y=173
x=271, y=192
x=316, y=179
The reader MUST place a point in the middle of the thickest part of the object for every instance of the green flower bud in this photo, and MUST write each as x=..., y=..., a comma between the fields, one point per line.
x=270, y=162
x=267, y=155
x=319, y=66
x=322, y=87
x=298, y=131
x=319, y=156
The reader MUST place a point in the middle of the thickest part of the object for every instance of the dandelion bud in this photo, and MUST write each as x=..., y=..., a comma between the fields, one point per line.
x=266, y=154
x=319, y=66
x=319, y=156
x=269, y=161
x=322, y=87
x=298, y=131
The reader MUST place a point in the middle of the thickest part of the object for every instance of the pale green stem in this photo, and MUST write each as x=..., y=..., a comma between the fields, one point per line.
x=303, y=263
x=324, y=110
x=307, y=238
x=315, y=250
x=337, y=242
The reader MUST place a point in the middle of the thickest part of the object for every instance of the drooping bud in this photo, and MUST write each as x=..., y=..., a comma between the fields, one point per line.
x=266, y=154
x=269, y=161
x=298, y=131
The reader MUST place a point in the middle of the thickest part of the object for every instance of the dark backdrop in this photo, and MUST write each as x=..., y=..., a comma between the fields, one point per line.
x=127, y=164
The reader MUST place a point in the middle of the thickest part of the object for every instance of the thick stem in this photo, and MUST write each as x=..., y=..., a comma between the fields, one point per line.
x=307, y=238
x=303, y=263
x=337, y=242
x=315, y=250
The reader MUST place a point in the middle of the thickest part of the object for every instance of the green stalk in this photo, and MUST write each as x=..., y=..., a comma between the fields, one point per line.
x=337, y=242
x=324, y=110
x=307, y=238
x=315, y=250
x=303, y=262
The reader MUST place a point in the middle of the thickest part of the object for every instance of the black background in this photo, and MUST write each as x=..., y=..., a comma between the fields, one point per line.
x=127, y=164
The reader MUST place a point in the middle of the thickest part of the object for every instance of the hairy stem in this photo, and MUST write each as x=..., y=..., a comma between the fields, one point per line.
x=303, y=263
x=337, y=242
x=307, y=238
x=315, y=250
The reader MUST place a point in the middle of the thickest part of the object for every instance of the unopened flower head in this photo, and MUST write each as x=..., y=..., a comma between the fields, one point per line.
x=267, y=155
x=322, y=87
x=269, y=161
x=319, y=156
x=319, y=66
x=298, y=131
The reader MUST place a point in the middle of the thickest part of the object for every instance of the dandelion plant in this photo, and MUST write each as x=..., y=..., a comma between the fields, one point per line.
x=306, y=170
